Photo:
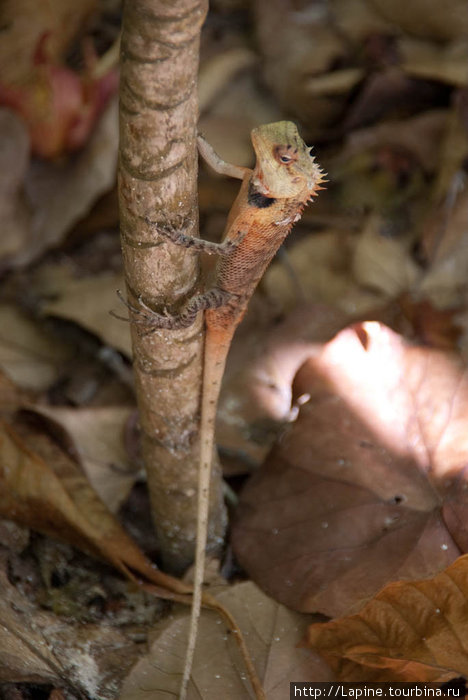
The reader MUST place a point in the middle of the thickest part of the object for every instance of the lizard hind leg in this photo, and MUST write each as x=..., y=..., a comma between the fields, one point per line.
x=146, y=316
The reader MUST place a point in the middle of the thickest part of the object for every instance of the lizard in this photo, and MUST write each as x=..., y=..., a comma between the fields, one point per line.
x=271, y=199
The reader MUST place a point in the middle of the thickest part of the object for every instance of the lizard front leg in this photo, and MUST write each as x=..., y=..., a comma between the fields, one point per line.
x=212, y=299
x=215, y=162
x=177, y=237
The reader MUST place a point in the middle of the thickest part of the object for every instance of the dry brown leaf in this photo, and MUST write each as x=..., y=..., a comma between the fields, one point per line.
x=97, y=435
x=424, y=18
x=219, y=70
x=431, y=326
x=297, y=46
x=272, y=632
x=418, y=136
x=56, y=499
x=29, y=355
x=446, y=281
x=25, y=21
x=257, y=392
x=321, y=265
x=44, y=490
x=383, y=264
x=369, y=484
x=87, y=301
x=15, y=219
x=411, y=631
x=57, y=196
x=428, y=61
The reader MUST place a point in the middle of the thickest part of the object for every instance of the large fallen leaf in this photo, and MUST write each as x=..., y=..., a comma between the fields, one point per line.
x=369, y=485
x=409, y=632
x=273, y=633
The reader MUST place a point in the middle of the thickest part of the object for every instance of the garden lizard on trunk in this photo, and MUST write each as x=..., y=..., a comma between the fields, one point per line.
x=271, y=199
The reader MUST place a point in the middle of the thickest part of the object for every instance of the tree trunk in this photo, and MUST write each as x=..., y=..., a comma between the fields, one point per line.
x=158, y=180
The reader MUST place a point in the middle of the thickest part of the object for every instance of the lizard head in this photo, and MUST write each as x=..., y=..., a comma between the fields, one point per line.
x=285, y=168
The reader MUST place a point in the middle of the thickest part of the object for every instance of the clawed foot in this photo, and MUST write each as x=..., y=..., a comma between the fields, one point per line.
x=175, y=234
x=145, y=316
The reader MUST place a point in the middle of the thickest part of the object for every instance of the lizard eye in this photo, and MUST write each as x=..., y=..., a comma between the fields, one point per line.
x=285, y=154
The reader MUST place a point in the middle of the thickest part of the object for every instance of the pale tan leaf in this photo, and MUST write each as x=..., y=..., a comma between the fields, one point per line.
x=271, y=631
x=88, y=301
x=430, y=61
x=28, y=355
x=383, y=264
x=98, y=441
x=424, y=18
x=322, y=267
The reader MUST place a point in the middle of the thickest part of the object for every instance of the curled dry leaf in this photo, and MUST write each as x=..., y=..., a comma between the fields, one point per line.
x=272, y=631
x=369, y=485
x=411, y=631
x=55, y=498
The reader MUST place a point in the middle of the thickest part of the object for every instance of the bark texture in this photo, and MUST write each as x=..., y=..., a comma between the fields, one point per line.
x=158, y=179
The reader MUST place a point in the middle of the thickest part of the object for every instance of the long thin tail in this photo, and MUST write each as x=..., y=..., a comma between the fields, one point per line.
x=216, y=350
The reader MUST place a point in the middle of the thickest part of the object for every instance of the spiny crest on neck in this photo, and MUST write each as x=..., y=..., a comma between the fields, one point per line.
x=285, y=166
